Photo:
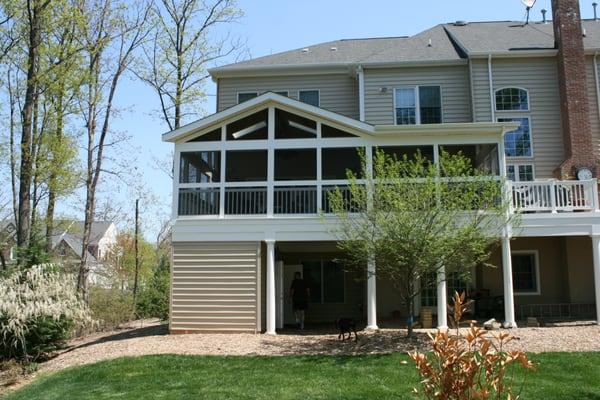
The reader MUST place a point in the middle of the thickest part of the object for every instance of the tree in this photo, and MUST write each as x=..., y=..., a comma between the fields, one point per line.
x=414, y=218
x=183, y=46
x=110, y=35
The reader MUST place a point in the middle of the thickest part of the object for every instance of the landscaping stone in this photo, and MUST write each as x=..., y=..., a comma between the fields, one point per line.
x=492, y=325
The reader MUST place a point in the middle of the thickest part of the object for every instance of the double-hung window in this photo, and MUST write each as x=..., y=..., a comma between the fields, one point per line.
x=418, y=105
x=517, y=143
x=520, y=172
x=309, y=97
x=242, y=97
x=526, y=274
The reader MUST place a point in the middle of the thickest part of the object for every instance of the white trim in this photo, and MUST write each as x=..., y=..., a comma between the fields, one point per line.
x=237, y=96
x=310, y=90
x=511, y=116
x=491, y=88
x=536, y=266
x=361, y=93
x=512, y=111
x=417, y=91
x=597, y=83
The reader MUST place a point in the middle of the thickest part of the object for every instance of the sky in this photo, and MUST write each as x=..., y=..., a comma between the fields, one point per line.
x=271, y=26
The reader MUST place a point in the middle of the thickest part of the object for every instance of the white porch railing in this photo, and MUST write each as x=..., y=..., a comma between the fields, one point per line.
x=554, y=196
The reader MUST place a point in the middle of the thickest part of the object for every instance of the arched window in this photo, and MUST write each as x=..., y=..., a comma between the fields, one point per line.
x=512, y=99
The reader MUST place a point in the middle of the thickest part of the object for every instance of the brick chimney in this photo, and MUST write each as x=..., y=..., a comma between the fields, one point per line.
x=575, y=108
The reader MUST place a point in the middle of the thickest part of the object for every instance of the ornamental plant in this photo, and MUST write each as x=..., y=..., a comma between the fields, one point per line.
x=469, y=364
x=39, y=311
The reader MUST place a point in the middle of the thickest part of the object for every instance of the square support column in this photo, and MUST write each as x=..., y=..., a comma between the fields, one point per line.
x=596, y=253
x=371, y=296
x=271, y=309
x=442, y=299
x=509, y=305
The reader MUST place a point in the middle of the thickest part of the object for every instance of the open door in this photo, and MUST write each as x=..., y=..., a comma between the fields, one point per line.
x=288, y=276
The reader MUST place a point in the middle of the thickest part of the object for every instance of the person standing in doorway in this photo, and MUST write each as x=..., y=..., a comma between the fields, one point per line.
x=300, y=293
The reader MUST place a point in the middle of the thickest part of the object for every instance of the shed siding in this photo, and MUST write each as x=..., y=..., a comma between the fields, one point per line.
x=215, y=286
x=540, y=77
x=454, y=81
x=338, y=92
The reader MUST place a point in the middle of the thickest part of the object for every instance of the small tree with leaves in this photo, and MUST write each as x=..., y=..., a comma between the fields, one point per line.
x=413, y=217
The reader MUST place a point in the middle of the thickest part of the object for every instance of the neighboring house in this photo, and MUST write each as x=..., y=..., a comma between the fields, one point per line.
x=519, y=100
x=8, y=243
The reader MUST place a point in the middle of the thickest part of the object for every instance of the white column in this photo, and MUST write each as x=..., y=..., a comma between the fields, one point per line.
x=509, y=305
x=442, y=299
x=596, y=252
x=271, y=311
x=371, y=296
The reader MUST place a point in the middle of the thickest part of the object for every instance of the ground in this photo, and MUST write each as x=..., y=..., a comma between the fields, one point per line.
x=150, y=338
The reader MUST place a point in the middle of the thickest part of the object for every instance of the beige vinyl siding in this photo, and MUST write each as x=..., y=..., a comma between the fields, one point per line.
x=338, y=92
x=593, y=100
x=215, y=286
x=540, y=77
x=481, y=90
x=454, y=81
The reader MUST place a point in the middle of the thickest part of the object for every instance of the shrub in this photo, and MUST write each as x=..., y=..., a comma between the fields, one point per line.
x=469, y=364
x=39, y=310
x=153, y=301
x=110, y=307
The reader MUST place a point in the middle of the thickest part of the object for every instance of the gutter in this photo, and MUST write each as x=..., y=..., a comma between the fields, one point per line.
x=491, y=83
x=361, y=93
x=597, y=82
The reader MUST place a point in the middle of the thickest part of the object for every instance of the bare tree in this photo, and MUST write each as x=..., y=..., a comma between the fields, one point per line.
x=183, y=46
x=111, y=33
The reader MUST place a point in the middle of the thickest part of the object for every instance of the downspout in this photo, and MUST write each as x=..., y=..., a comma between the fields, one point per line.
x=361, y=93
x=597, y=82
x=491, y=82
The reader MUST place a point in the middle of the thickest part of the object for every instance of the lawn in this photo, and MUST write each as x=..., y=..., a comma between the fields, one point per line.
x=559, y=376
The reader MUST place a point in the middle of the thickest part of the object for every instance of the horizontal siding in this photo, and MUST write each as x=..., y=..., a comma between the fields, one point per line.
x=214, y=286
x=593, y=100
x=481, y=90
x=540, y=77
x=454, y=81
x=338, y=92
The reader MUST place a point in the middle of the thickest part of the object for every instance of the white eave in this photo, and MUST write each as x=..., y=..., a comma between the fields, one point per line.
x=258, y=103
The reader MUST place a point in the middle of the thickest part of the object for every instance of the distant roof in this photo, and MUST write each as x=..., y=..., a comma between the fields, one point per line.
x=442, y=43
x=98, y=230
x=74, y=241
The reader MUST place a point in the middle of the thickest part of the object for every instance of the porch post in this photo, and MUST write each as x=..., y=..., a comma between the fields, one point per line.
x=442, y=300
x=596, y=252
x=271, y=312
x=371, y=295
x=509, y=306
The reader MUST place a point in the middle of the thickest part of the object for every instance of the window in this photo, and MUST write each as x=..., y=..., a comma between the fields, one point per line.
x=512, y=99
x=520, y=172
x=429, y=288
x=526, y=278
x=246, y=166
x=295, y=164
x=200, y=167
x=337, y=161
x=418, y=105
x=282, y=93
x=326, y=281
x=483, y=157
x=309, y=97
x=242, y=97
x=517, y=143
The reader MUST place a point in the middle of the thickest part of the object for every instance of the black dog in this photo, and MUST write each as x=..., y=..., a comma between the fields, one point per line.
x=346, y=325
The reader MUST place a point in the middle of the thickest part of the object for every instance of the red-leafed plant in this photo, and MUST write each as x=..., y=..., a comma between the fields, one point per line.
x=469, y=364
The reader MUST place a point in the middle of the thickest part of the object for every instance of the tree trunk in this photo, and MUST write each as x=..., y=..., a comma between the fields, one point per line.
x=13, y=158
x=52, y=179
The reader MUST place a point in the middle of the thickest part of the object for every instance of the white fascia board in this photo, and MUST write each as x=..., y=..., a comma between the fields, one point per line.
x=513, y=53
x=263, y=100
x=467, y=128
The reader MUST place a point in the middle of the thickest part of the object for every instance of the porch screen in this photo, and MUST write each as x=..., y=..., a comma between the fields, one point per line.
x=325, y=280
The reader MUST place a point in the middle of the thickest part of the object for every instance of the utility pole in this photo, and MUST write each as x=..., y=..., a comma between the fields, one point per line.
x=137, y=252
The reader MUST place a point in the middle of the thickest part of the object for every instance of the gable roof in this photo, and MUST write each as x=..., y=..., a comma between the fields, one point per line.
x=74, y=241
x=450, y=42
x=259, y=103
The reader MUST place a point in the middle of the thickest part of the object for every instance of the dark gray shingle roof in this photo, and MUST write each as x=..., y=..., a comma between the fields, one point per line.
x=446, y=42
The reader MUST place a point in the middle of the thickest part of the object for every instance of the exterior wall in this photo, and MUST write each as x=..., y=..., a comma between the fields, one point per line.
x=454, y=81
x=540, y=77
x=581, y=269
x=482, y=111
x=214, y=287
x=593, y=100
x=338, y=92
x=106, y=242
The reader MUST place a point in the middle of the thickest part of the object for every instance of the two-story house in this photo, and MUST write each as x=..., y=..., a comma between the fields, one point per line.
x=521, y=100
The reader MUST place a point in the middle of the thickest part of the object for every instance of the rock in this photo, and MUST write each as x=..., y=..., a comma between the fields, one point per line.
x=532, y=322
x=491, y=325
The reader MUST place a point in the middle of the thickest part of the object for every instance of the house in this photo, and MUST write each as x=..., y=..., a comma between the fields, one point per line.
x=7, y=243
x=521, y=100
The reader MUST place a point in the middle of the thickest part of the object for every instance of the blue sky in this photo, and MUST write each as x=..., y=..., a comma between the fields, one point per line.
x=271, y=26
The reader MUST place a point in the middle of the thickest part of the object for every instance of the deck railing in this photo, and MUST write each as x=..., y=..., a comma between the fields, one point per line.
x=554, y=196
x=550, y=196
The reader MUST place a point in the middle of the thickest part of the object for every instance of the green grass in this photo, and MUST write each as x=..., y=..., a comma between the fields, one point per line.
x=559, y=376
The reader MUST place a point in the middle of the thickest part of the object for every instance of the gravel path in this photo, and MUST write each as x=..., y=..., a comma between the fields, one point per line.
x=152, y=338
